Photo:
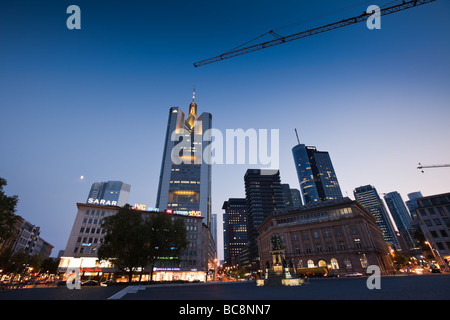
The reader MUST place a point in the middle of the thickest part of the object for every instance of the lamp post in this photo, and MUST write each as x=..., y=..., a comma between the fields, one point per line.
x=438, y=257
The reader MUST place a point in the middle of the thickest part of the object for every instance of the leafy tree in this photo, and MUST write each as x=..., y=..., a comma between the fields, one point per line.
x=166, y=238
x=132, y=242
x=124, y=241
x=7, y=217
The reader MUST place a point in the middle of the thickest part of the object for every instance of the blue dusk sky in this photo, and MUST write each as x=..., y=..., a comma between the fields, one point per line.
x=94, y=102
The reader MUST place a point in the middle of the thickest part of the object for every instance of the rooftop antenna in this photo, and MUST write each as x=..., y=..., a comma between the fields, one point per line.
x=297, y=136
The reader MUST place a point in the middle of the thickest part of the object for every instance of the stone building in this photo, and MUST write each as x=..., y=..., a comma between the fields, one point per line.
x=338, y=236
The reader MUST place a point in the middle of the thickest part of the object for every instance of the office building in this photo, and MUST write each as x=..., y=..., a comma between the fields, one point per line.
x=433, y=213
x=88, y=233
x=368, y=197
x=412, y=204
x=264, y=198
x=318, y=181
x=234, y=229
x=113, y=193
x=292, y=198
x=336, y=236
x=402, y=219
x=185, y=178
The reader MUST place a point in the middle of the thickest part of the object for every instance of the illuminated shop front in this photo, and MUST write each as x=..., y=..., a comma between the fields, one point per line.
x=89, y=268
x=87, y=235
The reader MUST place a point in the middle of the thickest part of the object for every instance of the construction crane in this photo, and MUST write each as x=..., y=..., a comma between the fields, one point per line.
x=432, y=166
x=279, y=39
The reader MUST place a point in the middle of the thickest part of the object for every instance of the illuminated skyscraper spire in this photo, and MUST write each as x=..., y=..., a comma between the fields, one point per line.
x=192, y=111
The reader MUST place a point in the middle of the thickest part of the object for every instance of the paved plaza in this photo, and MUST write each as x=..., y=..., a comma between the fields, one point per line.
x=420, y=287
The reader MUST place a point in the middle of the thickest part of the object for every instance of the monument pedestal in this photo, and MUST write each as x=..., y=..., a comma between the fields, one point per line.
x=280, y=273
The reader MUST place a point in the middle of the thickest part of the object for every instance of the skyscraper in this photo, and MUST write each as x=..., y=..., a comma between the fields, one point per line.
x=234, y=229
x=292, y=198
x=185, y=179
x=401, y=217
x=318, y=181
x=368, y=197
x=114, y=193
x=412, y=204
x=264, y=198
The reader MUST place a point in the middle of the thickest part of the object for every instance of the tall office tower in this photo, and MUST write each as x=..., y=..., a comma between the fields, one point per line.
x=368, y=197
x=264, y=198
x=185, y=179
x=401, y=218
x=292, y=198
x=412, y=204
x=318, y=181
x=114, y=193
x=234, y=229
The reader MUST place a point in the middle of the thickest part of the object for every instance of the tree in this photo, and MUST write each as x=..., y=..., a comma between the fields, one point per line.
x=7, y=216
x=132, y=242
x=124, y=241
x=166, y=238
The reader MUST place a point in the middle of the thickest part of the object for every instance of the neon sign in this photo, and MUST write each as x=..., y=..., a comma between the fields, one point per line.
x=102, y=202
x=143, y=207
x=191, y=213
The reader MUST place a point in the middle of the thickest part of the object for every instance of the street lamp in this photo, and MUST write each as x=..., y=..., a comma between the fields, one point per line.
x=438, y=258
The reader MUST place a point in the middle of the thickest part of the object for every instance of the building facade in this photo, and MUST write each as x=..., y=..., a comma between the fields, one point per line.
x=411, y=203
x=368, y=197
x=339, y=236
x=185, y=178
x=316, y=175
x=26, y=238
x=264, y=197
x=234, y=229
x=87, y=234
x=402, y=219
x=292, y=198
x=433, y=213
x=113, y=193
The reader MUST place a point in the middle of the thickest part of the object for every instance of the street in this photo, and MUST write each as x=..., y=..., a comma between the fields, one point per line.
x=414, y=287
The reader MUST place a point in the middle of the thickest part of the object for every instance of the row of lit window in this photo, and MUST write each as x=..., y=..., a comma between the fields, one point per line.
x=185, y=182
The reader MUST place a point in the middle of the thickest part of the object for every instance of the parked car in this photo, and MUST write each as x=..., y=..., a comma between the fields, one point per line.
x=354, y=274
x=89, y=283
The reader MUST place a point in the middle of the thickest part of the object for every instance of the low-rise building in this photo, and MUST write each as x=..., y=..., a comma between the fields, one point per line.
x=339, y=236
x=87, y=234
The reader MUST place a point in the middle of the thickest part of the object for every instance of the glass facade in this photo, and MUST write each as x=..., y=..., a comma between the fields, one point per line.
x=185, y=179
x=113, y=192
x=368, y=197
x=402, y=218
x=234, y=228
x=318, y=181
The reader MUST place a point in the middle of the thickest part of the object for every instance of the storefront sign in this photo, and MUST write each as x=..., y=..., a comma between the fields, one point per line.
x=102, y=202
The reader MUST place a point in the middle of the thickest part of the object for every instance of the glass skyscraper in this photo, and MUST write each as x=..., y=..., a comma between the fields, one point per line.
x=292, y=198
x=402, y=218
x=109, y=193
x=185, y=178
x=368, y=197
x=234, y=229
x=318, y=181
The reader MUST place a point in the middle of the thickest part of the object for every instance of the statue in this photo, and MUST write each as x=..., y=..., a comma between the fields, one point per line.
x=280, y=272
x=276, y=242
